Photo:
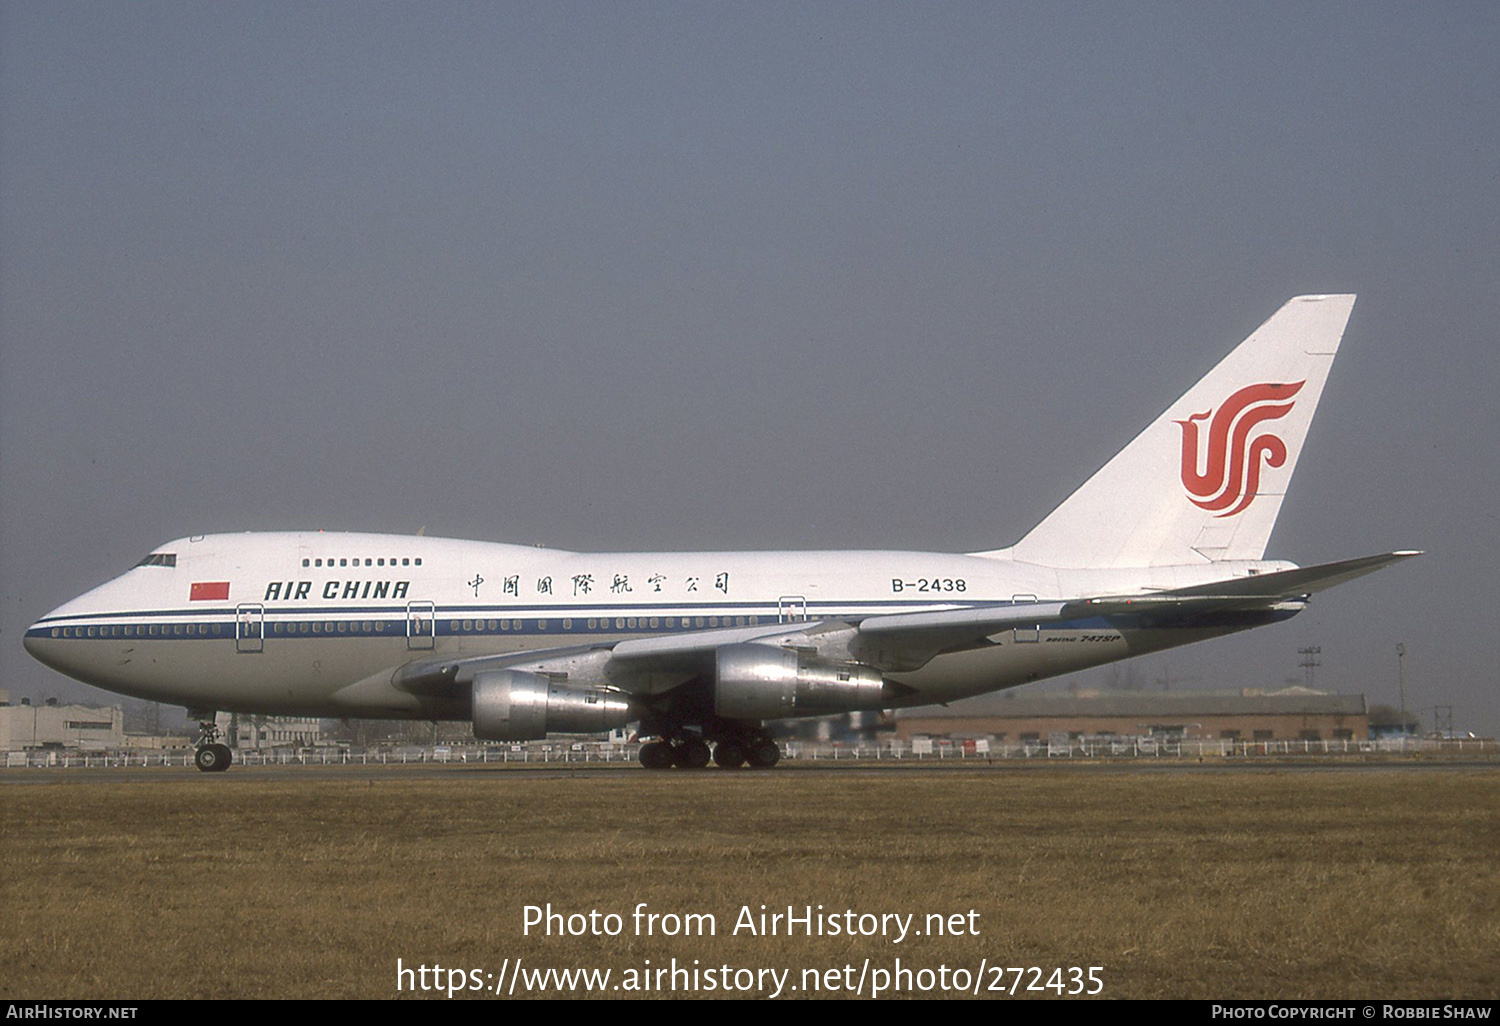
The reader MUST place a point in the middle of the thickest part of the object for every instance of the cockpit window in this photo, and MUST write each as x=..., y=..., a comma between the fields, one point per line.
x=159, y=559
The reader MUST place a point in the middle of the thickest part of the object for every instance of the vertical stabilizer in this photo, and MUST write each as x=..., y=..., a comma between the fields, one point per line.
x=1205, y=481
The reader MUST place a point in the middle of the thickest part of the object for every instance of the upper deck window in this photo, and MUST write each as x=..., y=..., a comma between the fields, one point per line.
x=159, y=559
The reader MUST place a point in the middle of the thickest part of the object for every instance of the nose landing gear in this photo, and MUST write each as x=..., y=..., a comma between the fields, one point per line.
x=210, y=755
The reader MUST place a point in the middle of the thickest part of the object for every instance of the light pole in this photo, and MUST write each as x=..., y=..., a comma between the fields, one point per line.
x=1401, y=676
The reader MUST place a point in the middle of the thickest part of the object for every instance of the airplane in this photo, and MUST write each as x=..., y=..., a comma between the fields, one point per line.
x=1163, y=546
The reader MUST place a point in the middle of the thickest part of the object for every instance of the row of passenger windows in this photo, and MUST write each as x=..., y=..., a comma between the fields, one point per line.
x=420, y=626
x=392, y=561
x=328, y=627
x=166, y=630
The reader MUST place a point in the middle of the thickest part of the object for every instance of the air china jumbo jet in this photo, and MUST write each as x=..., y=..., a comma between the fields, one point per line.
x=1161, y=547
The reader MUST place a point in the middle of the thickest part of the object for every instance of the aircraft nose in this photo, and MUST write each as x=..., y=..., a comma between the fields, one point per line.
x=38, y=640
x=35, y=641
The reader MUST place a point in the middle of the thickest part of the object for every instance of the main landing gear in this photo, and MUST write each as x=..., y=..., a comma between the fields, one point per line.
x=210, y=755
x=759, y=750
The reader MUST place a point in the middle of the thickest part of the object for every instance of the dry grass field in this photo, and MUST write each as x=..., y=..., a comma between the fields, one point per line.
x=1372, y=882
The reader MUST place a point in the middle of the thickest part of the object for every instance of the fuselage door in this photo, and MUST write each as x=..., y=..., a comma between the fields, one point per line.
x=250, y=627
x=791, y=609
x=421, y=625
x=1026, y=633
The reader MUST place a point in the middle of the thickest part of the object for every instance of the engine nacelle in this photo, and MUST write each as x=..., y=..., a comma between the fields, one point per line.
x=513, y=705
x=763, y=682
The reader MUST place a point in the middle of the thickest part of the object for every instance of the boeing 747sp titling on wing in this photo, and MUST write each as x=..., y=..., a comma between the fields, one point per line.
x=1163, y=546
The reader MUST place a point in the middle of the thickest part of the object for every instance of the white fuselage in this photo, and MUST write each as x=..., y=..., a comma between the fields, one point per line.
x=319, y=623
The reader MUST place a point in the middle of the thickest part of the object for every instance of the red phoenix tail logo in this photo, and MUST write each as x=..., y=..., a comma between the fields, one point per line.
x=1231, y=478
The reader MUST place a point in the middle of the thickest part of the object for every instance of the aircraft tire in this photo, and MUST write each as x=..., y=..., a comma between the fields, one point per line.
x=656, y=755
x=210, y=758
x=691, y=754
x=764, y=754
x=729, y=754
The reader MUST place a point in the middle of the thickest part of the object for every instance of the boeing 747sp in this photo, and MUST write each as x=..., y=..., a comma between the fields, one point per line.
x=1163, y=546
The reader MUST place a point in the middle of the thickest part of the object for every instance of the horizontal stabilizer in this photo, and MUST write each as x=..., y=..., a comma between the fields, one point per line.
x=1302, y=581
x=916, y=637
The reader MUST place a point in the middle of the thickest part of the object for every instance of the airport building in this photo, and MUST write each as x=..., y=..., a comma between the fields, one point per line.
x=1290, y=714
x=85, y=728
x=264, y=732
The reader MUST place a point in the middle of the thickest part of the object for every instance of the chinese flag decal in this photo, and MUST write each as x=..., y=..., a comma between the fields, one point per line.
x=205, y=590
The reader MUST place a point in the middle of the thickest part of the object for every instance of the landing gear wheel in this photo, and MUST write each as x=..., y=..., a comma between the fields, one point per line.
x=729, y=754
x=691, y=754
x=656, y=755
x=764, y=754
x=212, y=758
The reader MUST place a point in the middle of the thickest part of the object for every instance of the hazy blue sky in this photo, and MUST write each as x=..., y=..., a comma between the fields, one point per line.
x=691, y=276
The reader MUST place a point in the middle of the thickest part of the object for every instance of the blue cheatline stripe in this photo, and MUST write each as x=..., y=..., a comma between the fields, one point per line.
x=387, y=627
x=396, y=626
x=846, y=607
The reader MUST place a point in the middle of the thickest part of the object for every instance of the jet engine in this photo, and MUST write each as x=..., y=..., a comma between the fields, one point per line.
x=513, y=705
x=762, y=682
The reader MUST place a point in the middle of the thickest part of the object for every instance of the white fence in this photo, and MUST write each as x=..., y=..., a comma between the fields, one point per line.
x=1140, y=747
x=933, y=750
